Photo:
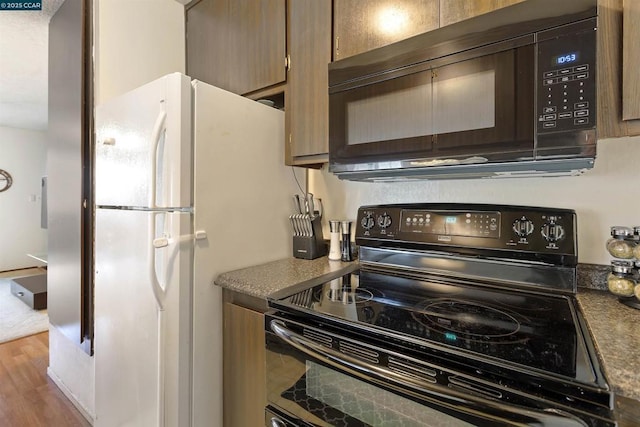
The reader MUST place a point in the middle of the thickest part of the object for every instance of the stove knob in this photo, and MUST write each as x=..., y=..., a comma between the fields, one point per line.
x=384, y=220
x=368, y=222
x=552, y=232
x=523, y=227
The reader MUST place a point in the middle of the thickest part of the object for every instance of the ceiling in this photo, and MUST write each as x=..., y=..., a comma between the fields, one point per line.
x=24, y=55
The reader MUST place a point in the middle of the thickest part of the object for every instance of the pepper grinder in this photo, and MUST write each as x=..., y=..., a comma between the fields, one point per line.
x=346, y=240
x=335, y=250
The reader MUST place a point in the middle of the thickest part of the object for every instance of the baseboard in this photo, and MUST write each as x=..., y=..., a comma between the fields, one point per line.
x=70, y=396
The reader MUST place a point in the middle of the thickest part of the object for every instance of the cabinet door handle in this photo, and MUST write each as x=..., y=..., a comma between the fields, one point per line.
x=20, y=294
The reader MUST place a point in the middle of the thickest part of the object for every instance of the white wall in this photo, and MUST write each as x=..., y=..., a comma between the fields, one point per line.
x=602, y=197
x=136, y=41
x=23, y=153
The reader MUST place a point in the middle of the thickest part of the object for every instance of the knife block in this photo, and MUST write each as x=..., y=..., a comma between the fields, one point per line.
x=310, y=247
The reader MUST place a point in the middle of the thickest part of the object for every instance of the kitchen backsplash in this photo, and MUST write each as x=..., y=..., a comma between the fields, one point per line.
x=601, y=197
x=593, y=276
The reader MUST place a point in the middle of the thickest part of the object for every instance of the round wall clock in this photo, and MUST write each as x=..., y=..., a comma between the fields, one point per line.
x=5, y=180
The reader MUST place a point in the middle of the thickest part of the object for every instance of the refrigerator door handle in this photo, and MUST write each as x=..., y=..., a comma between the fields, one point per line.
x=159, y=294
x=158, y=128
x=163, y=242
x=158, y=291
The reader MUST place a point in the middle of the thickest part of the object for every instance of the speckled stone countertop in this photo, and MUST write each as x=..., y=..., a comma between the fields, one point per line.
x=265, y=279
x=613, y=325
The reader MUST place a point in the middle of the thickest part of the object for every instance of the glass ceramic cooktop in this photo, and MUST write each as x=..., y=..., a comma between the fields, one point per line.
x=533, y=330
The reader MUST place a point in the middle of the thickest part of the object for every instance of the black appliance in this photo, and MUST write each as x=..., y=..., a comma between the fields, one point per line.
x=457, y=315
x=509, y=93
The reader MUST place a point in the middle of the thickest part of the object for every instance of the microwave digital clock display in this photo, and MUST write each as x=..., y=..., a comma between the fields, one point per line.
x=565, y=58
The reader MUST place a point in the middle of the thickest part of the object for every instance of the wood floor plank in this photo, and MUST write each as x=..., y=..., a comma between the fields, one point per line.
x=28, y=397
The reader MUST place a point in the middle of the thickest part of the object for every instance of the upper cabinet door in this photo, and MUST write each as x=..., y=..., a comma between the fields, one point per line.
x=359, y=26
x=452, y=11
x=631, y=61
x=237, y=45
x=307, y=98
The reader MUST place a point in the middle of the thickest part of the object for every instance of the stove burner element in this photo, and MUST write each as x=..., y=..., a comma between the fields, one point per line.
x=350, y=295
x=471, y=320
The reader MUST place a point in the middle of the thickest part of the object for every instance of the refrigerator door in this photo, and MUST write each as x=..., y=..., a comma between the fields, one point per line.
x=143, y=146
x=243, y=201
x=142, y=318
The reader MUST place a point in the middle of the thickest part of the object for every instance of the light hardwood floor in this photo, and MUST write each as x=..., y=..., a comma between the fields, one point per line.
x=27, y=396
x=22, y=272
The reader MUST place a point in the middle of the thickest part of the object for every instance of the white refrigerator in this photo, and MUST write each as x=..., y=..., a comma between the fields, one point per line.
x=190, y=182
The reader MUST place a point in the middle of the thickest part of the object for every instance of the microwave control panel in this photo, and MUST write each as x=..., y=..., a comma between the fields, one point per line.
x=566, y=84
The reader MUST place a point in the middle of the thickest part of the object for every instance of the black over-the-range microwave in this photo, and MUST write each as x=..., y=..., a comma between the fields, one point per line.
x=508, y=93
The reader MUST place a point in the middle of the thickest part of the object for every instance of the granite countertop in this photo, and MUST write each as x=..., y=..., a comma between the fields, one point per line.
x=613, y=325
x=265, y=279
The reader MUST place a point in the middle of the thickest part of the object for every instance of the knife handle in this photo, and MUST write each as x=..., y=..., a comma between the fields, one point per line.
x=296, y=204
x=309, y=202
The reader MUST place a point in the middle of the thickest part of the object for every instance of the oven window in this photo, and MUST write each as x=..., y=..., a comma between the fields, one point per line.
x=358, y=400
x=309, y=390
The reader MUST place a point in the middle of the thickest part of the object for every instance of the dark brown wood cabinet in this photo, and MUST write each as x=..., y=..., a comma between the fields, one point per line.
x=269, y=49
x=612, y=69
x=359, y=26
x=631, y=63
x=307, y=97
x=244, y=352
x=237, y=45
x=631, y=60
x=452, y=11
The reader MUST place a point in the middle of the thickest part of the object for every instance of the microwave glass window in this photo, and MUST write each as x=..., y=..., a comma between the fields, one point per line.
x=465, y=102
x=367, y=403
x=400, y=108
x=455, y=100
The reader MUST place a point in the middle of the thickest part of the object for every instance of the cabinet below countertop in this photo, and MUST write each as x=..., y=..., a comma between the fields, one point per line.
x=244, y=368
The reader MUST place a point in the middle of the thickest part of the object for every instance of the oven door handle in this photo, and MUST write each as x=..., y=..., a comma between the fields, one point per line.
x=446, y=397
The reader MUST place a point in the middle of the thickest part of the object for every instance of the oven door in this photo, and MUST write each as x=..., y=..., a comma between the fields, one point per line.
x=468, y=105
x=273, y=417
x=309, y=382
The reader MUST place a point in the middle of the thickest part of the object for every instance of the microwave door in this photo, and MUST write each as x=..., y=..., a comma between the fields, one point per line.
x=476, y=109
x=483, y=109
x=392, y=116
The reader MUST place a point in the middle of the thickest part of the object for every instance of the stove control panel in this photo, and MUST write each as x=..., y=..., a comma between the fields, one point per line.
x=451, y=223
x=477, y=226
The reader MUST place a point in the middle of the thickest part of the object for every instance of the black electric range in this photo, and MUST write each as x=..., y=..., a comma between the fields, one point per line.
x=486, y=291
x=532, y=330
